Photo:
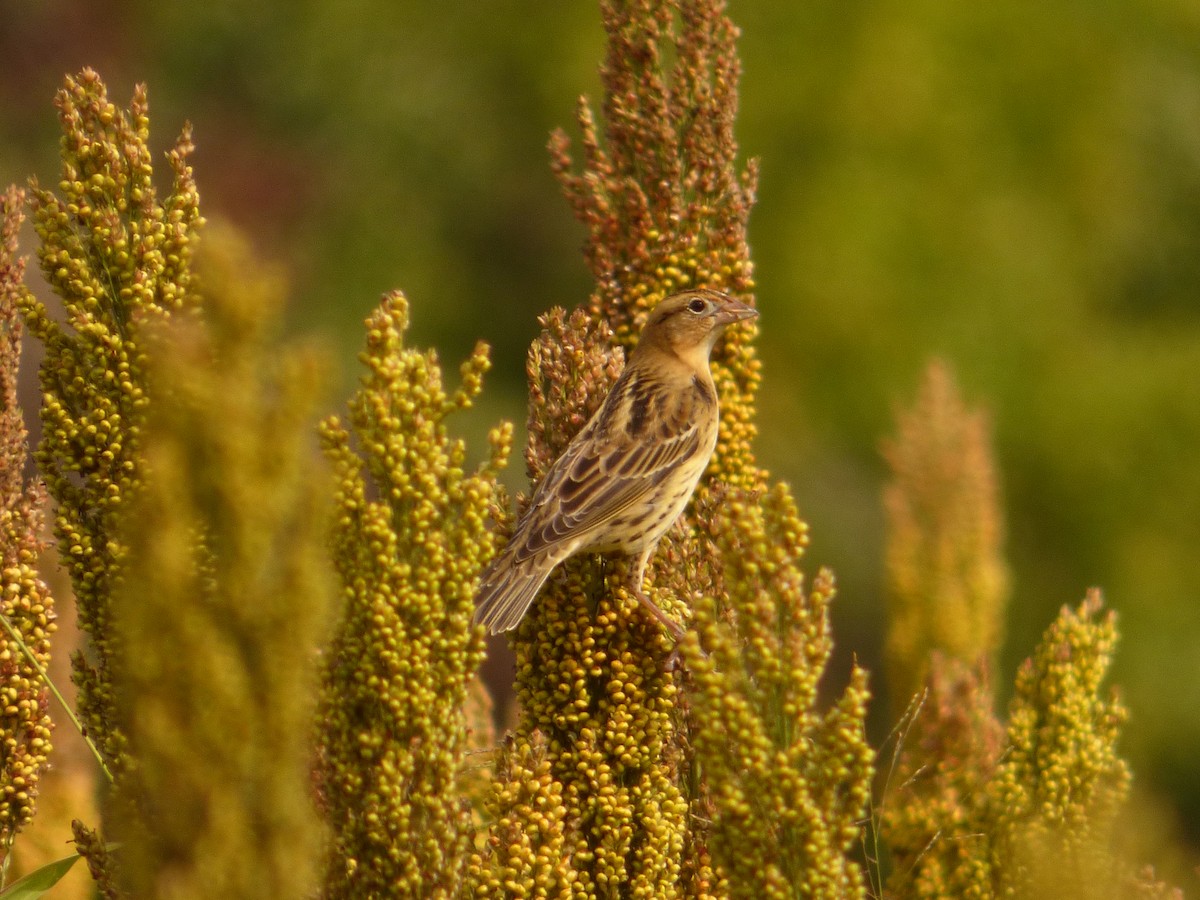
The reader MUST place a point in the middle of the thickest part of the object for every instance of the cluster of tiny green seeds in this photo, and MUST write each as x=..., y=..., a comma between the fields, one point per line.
x=789, y=784
x=1060, y=785
x=410, y=537
x=984, y=811
x=117, y=257
x=25, y=601
x=526, y=852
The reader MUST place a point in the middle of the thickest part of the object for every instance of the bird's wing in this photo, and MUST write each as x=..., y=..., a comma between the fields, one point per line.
x=599, y=476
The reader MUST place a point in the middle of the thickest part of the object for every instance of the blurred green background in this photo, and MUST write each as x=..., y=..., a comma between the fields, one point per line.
x=1014, y=187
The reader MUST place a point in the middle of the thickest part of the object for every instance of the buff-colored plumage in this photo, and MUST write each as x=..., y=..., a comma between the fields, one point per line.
x=629, y=473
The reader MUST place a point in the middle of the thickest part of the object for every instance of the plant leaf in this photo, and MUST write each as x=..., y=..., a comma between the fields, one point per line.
x=39, y=881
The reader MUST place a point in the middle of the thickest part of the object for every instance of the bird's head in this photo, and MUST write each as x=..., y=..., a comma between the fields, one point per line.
x=688, y=324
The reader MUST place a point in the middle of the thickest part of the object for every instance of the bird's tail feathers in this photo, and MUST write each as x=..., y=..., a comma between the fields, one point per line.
x=505, y=594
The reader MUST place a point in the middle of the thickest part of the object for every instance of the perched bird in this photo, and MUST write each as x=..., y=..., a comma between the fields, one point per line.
x=628, y=474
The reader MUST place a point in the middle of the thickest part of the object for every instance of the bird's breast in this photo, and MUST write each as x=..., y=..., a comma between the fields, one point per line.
x=645, y=522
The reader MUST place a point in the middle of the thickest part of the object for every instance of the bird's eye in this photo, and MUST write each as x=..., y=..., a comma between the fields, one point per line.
x=698, y=306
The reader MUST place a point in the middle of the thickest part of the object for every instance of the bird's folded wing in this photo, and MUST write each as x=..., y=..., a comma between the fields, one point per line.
x=595, y=481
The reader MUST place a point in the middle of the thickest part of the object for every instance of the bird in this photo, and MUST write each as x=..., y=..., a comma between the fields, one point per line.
x=630, y=471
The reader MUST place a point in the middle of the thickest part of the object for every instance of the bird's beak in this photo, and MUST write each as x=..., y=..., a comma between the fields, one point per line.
x=735, y=311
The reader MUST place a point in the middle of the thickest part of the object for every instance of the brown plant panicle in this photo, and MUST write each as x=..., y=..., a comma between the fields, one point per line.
x=99, y=858
x=935, y=803
x=25, y=601
x=118, y=257
x=660, y=193
x=946, y=578
x=657, y=188
x=409, y=539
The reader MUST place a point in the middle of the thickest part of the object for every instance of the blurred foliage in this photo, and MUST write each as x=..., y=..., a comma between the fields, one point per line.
x=975, y=809
x=947, y=584
x=1015, y=188
x=225, y=598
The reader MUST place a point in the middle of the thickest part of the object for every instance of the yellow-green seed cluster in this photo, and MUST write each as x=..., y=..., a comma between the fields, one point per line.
x=25, y=601
x=1060, y=784
x=789, y=783
x=118, y=257
x=980, y=810
x=594, y=698
x=528, y=854
x=224, y=601
x=947, y=583
x=410, y=537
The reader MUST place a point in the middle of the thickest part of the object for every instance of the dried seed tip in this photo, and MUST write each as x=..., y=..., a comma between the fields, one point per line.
x=659, y=195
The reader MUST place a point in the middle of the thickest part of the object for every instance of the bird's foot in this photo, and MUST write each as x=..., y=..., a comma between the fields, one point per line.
x=674, y=661
x=673, y=628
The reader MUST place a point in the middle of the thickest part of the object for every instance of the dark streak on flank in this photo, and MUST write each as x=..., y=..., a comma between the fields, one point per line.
x=702, y=389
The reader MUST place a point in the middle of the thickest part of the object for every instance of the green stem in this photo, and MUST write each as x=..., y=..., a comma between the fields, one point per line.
x=16, y=636
x=8, y=845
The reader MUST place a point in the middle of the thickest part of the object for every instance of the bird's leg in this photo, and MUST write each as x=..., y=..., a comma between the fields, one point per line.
x=638, y=573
